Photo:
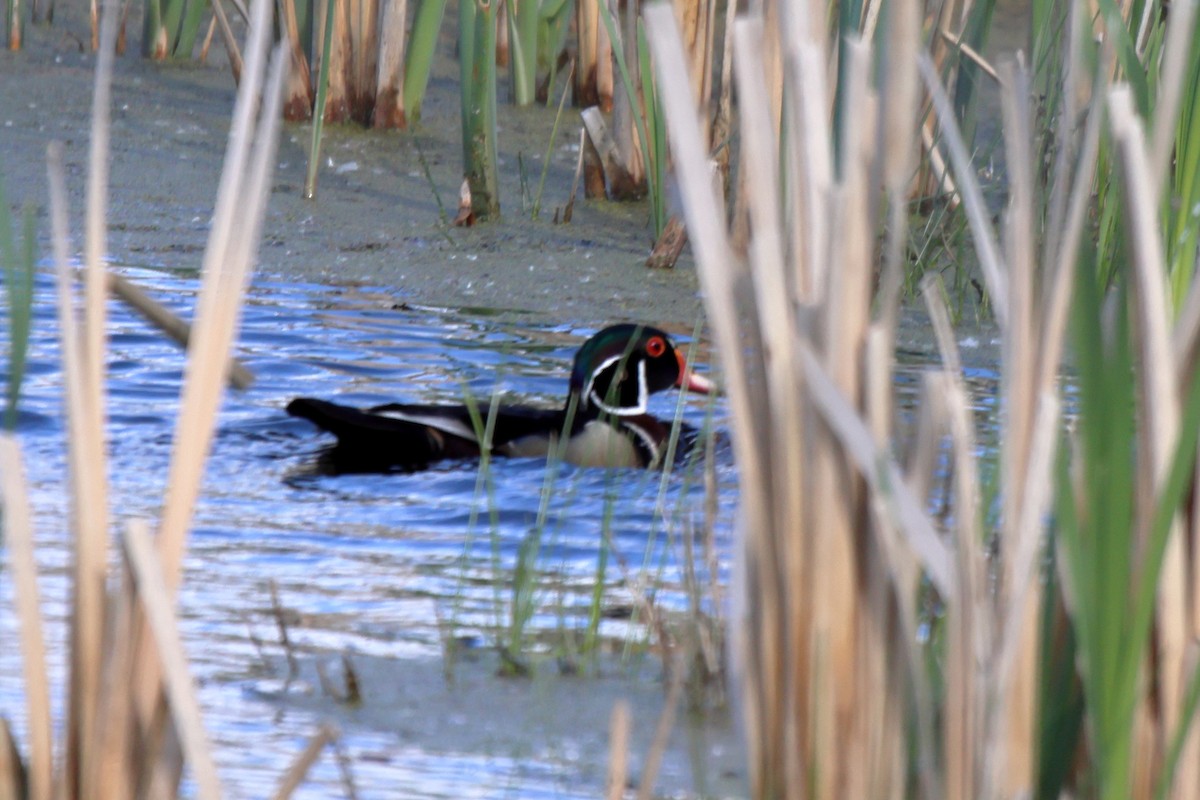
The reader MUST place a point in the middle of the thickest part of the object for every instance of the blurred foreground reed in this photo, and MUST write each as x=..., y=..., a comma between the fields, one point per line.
x=1059, y=658
x=132, y=720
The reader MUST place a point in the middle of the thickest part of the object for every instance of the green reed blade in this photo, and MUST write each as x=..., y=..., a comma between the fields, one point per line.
x=152, y=21
x=189, y=28
x=318, y=123
x=554, y=26
x=477, y=65
x=422, y=45
x=657, y=133
x=523, y=36
x=19, y=271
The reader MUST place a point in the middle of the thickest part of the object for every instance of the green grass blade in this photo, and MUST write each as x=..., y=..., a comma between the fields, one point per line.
x=562, y=103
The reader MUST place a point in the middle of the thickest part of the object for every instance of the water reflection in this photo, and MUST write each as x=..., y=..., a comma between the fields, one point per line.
x=368, y=564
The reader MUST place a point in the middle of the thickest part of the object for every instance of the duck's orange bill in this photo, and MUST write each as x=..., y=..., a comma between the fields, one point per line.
x=691, y=381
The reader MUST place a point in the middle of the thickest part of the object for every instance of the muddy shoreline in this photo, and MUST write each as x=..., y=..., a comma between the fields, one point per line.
x=376, y=220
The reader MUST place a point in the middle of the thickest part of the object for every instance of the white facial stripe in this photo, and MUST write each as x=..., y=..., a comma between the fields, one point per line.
x=608, y=362
x=621, y=411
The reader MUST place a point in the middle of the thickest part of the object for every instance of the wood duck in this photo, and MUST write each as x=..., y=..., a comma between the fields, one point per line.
x=614, y=374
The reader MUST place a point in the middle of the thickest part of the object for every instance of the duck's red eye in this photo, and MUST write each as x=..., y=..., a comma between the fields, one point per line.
x=656, y=346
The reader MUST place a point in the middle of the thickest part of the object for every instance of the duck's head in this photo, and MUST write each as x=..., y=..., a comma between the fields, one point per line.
x=619, y=368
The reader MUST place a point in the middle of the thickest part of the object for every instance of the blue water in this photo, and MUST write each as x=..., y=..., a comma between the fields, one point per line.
x=378, y=566
x=368, y=564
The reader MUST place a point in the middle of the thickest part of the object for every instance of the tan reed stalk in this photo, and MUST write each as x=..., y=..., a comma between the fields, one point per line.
x=618, y=750
x=231, y=46
x=723, y=114
x=835, y=576
x=14, y=24
x=226, y=268
x=389, y=93
x=967, y=621
x=587, y=29
x=805, y=706
x=126, y=649
x=298, y=97
x=662, y=734
x=364, y=53
x=90, y=515
x=111, y=775
x=1013, y=766
x=237, y=218
x=624, y=122
x=157, y=603
x=338, y=101
x=295, y=774
x=993, y=746
x=12, y=777
x=19, y=542
x=604, y=67
x=158, y=315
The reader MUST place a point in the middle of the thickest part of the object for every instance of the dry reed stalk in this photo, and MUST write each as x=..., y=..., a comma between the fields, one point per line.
x=14, y=25
x=231, y=46
x=364, y=53
x=820, y=584
x=86, y=384
x=337, y=98
x=723, y=113
x=622, y=184
x=296, y=773
x=695, y=18
x=662, y=733
x=298, y=97
x=618, y=750
x=970, y=53
x=605, y=79
x=967, y=620
x=587, y=31
x=757, y=632
x=19, y=542
x=389, y=95
x=115, y=721
x=233, y=237
x=12, y=769
x=990, y=262
x=157, y=603
x=240, y=377
x=844, y=361
x=239, y=208
x=1013, y=767
x=625, y=108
